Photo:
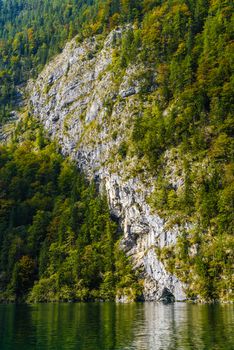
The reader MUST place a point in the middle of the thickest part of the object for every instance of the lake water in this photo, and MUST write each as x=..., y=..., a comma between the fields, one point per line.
x=102, y=326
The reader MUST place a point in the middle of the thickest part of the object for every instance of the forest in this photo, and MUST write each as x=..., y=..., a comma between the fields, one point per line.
x=187, y=47
x=31, y=32
x=58, y=241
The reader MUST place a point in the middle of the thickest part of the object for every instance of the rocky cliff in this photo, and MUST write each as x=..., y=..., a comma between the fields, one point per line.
x=89, y=108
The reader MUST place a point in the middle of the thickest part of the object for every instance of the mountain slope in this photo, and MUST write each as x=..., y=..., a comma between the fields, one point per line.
x=31, y=32
x=58, y=241
x=91, y=115
x=110, y=113
x=145, y=109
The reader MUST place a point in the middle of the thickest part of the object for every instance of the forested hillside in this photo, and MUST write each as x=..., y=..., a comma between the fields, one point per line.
x=184, y=117
x=31, y=32
x=58, y=242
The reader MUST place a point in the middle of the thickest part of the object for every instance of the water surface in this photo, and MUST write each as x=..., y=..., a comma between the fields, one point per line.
x=102, y=326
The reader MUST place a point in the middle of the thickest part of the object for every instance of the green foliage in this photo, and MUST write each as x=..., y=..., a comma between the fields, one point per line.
x=190, y=44
x=187, y=93
x=149, y=135
x=57, y=239
x=123, y=149
x=31, y=32
x=202, y=258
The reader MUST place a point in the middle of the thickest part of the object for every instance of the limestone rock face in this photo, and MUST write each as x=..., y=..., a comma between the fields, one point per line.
x=90, y=110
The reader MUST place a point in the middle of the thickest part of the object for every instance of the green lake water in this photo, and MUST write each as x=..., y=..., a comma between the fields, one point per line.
x=102, y=326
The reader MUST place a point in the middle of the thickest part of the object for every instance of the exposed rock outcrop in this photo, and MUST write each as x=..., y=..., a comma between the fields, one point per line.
x=90, y=110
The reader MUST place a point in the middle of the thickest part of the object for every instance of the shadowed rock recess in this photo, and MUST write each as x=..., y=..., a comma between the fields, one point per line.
x=90, y=111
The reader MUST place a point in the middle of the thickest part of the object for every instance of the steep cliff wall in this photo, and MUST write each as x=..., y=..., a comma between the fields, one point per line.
x=89, y=108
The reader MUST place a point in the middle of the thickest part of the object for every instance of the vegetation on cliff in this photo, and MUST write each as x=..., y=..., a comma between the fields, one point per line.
x=58, y=242
x=186, y=47
x=188, y=130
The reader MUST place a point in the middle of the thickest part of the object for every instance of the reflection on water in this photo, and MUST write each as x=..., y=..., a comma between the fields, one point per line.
x=102, y=326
